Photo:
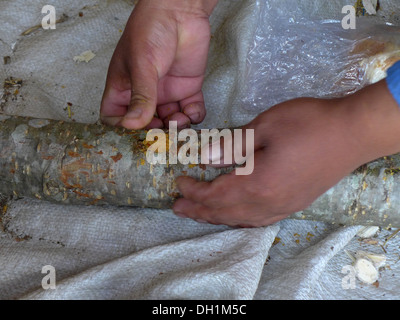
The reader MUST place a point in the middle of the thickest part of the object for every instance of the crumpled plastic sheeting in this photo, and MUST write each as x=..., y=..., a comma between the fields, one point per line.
x=308, y=56
x=120, y=253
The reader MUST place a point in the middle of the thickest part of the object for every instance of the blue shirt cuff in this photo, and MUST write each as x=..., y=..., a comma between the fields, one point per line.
x=393, y=81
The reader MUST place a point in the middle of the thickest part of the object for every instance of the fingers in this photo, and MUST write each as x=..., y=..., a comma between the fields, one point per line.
x=204, y=214
x=203, y=203
x=134, y=108
x=208, y=201
x=155, y=123
x=211, y=194
x=166, y=110
x=117, y=94
x=188, y=111
x=194, y=107
x=128, y=108
x=143, y=100
x=160, y=61
x=133, y=75
x=130, y=93
x=233, y=199
x=171, y=112
x=198, y=191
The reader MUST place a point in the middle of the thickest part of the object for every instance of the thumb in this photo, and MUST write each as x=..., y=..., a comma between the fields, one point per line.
x=143, y=100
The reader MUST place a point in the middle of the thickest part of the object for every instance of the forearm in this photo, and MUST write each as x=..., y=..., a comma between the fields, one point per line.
x=374, y=117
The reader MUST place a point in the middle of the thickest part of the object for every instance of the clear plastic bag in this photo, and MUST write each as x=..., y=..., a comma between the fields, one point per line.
x=294, y=56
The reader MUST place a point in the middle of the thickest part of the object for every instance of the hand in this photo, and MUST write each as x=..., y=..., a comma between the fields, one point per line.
x=158, y=66
x=303, y=148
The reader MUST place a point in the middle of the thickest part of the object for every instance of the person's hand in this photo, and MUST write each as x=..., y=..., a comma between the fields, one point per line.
x=158, y=66
x=302, y=148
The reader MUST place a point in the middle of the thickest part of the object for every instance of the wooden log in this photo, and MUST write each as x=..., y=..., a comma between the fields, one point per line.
x=369, y=196
x=74, y=163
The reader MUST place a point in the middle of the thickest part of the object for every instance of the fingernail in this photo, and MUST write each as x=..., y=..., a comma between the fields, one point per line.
x=134, y=113
x=193, y=111
x=195, y=117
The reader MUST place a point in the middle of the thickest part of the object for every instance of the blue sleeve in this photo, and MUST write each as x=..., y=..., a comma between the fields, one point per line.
x=393, y=81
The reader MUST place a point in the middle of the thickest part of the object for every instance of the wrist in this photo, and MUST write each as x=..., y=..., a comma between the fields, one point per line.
x=373, y=120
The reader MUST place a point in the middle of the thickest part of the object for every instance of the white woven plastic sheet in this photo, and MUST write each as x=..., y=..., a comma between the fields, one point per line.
x=120, y=253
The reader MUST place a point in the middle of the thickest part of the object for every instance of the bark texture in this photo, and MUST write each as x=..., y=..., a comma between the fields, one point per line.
x=74, y=163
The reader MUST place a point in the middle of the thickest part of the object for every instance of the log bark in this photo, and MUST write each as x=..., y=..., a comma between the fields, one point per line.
x=74, y=163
